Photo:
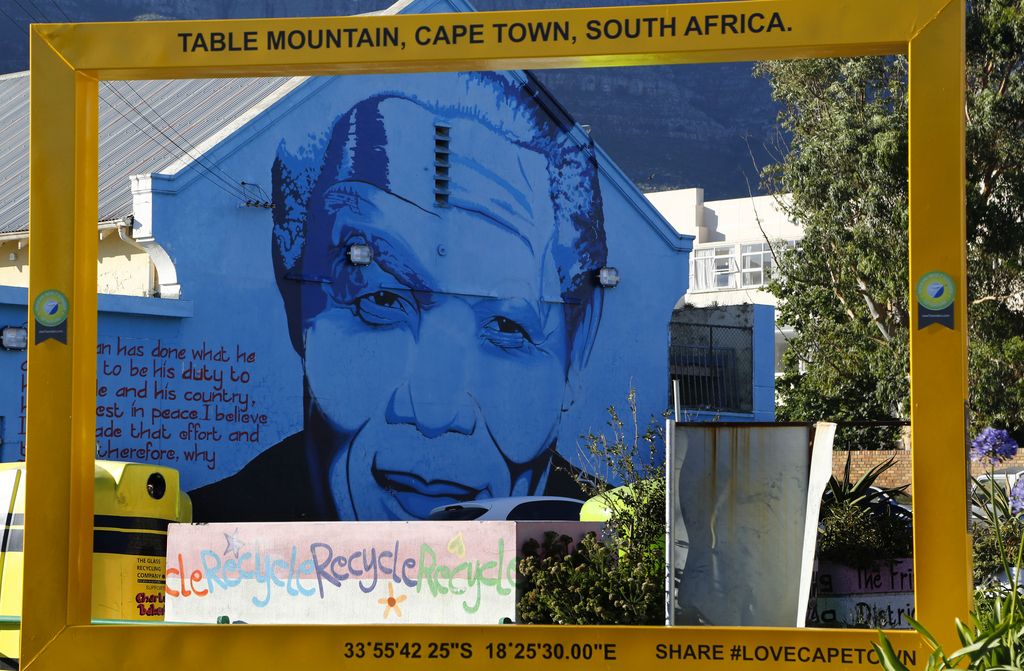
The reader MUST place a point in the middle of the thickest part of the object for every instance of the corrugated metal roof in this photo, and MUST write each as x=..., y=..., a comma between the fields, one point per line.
x=136, y=119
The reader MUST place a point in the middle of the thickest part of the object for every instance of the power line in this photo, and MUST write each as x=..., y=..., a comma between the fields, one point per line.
x=198, y=157
x=30, y=15
x=36, y=7
x=234, y=194
x=236, y=190
x=232, y=190
x=14, y=22
x=228, y=180
x=61, y=10
x=141, y=129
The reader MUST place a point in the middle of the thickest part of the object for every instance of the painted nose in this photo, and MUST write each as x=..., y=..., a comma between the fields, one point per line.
x=435, y=398
x=431, y=418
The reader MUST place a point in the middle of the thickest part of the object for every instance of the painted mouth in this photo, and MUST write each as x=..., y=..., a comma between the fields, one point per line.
x=418, y=496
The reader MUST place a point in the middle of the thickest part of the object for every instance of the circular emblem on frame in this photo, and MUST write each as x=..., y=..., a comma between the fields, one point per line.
x=50, y=308
x=935, y=290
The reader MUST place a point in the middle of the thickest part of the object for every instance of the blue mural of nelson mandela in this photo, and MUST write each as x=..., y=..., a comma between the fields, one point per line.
x=439, y=372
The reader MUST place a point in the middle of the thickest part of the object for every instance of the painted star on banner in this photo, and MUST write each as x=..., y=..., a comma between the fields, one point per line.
x=234, y=544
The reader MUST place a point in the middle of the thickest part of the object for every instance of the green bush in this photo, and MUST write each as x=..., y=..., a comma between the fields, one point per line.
x=858, y=525
x=588, y=584
x=996, y=531
x=619, y=577
x=857, y=536
x=985, y=542
x=994, y=638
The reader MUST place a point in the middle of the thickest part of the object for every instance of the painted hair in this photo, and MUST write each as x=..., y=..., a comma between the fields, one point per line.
x=357, y=150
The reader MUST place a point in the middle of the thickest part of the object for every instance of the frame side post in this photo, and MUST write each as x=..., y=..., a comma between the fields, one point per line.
x=61, y=394
x=85, y=251
x=938, y=355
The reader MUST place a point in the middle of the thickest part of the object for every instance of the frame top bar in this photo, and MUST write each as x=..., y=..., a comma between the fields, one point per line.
x=586, y=37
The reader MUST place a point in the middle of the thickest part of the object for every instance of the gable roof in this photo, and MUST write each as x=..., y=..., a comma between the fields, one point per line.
x=128, y=144
x=145, y=127
x=164, y=125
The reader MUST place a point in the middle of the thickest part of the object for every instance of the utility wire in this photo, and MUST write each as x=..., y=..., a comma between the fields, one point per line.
x=13, y=20
x=234, y=192
x=37, y=8
x=233, y=189
x=61, y=10
x=30, y=15
x=237, y=191
x=198, y=157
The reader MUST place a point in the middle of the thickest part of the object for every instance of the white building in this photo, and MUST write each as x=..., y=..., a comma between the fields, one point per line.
x=734, y=248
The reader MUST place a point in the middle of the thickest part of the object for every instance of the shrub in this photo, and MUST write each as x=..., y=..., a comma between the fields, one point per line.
x=619, y=577
x=860, y=524
x=994, y=639
x=986, y=539
x=858, y=536
x=588, y=584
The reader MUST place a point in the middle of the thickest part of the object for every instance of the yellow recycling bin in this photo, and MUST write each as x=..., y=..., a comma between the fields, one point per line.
x=133, y=505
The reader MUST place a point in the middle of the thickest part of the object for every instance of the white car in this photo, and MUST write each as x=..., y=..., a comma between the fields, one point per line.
x=981, y=503
x=518, y=508
x=1005, y=478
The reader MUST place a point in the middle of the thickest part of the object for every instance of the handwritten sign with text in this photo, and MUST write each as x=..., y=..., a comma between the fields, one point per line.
x=349, y=572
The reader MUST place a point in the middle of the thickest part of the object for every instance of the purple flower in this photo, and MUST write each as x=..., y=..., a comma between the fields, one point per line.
x=1017, y=497
x=993, y=446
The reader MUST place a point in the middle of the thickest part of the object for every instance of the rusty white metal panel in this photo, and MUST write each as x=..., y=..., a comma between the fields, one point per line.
x=743, y=509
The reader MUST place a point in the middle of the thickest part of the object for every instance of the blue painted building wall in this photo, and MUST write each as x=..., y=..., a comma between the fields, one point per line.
x=764, y=363
x=465, y=361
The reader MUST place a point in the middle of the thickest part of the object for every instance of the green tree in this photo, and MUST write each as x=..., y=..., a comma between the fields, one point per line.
x=846, y=289
x=995, y=212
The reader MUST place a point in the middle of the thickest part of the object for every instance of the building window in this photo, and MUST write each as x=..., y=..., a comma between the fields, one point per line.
x=714, y=268
x=755, y=264
x=742, y=266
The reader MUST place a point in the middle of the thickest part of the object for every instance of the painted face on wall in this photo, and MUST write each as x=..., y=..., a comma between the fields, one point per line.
x=438, y=372
x=438, y=379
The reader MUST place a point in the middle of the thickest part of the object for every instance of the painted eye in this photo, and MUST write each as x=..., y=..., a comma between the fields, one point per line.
x=506, y=325
x=383, y=308
x=386, y=299
x=506, y=333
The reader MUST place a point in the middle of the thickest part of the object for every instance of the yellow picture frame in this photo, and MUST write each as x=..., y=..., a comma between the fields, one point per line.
x=69, y=60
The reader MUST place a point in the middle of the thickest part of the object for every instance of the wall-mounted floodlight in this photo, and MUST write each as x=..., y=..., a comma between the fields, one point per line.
x=360, y=255
x=14, y=338
x=608, y=277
